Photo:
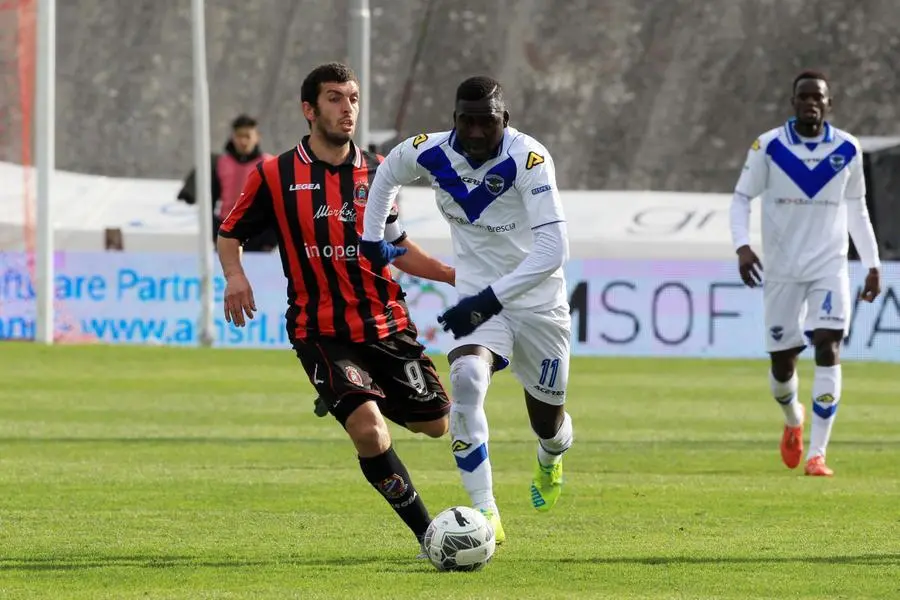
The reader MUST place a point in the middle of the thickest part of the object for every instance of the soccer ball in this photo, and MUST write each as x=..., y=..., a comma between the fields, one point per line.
x=459, y=539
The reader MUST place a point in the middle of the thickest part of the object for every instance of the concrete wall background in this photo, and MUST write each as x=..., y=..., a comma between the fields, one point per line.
x=649, y=94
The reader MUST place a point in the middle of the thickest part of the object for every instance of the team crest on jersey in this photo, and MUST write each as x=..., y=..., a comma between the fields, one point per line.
x=837, y=161
x=360, y=193
x=534, y=159
x=353, y=375
x=494, y=183
x=419, y=140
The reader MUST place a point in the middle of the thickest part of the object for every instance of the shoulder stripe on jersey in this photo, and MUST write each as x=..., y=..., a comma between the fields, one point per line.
x=494, y=184
x=810, y=181
x=548, y=223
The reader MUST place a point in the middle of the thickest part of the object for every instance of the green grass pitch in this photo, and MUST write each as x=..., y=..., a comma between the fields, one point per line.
x=181, y=473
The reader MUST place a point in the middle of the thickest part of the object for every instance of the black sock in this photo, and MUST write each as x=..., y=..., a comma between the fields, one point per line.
x=387, y=474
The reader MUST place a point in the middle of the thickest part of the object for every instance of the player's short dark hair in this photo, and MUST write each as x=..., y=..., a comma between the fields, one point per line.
x=242, y=121
x=479, y=88
x=809, y=75
x=328, y=73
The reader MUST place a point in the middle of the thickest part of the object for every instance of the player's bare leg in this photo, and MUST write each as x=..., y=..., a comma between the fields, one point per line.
x=470, y=376
x=383, y=468
x=553, y=426
x=433, y=429
x=784, y=385
x=826, y=395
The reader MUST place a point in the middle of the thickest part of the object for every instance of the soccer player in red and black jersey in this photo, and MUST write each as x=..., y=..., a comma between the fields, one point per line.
x=347, y=320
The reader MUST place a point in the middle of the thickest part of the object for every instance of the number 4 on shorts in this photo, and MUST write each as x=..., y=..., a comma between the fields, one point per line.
x=826, y=304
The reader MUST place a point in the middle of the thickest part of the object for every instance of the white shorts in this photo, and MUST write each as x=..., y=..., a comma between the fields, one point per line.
x=793, y=309
x=537, y=343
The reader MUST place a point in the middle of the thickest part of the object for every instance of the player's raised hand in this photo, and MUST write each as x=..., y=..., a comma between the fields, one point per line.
x=872, y=287
x=749, y=266
x=238, y=299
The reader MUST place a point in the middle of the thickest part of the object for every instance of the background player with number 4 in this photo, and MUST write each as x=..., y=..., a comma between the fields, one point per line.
x=810, y=177
x=496, y=187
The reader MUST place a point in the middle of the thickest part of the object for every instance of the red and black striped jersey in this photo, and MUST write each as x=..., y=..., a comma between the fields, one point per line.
x=317, y=210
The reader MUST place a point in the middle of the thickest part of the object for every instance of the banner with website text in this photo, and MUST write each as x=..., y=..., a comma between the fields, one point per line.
x=619, y=308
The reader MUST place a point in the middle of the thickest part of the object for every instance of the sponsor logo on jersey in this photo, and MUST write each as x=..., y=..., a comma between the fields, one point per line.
x=541, y=190
x=348, y=252
x=299, y=187
x=502, y=228
x=345, y=213
x=534, y=159
x=807, y=201
x=755, y=145
x=419, y=140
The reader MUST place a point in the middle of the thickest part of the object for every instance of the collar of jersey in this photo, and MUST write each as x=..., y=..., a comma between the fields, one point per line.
x=475, y=163
x=794, y=138
x=306, y=154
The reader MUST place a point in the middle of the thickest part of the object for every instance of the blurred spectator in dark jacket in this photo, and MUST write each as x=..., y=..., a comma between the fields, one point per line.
x=229, y=171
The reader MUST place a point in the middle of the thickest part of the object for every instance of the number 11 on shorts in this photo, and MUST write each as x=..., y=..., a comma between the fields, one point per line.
x=549, y=369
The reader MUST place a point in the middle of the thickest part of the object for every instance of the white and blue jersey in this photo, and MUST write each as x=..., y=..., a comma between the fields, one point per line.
x=492, y=208
x=805, y=187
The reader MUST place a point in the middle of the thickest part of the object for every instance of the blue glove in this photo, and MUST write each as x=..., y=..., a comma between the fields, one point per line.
x=470, y=312
x=380, y=253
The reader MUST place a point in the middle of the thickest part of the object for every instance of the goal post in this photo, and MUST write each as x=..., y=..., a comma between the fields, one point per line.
x=45, y=162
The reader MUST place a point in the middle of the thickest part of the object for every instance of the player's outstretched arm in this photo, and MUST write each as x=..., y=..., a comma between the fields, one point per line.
x=418, y=263
x=398, y=169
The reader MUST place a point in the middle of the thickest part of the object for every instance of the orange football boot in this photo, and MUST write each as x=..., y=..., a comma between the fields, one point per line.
x=792, y=445
x=817, y=468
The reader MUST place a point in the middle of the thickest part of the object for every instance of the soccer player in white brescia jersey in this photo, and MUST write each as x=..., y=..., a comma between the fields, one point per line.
x=810, y=177
x=496, y=187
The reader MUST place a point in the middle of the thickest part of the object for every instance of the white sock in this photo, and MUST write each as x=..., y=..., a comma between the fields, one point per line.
x=785, y=393
x=470, y=377
x=550, y=451
x=826, y=396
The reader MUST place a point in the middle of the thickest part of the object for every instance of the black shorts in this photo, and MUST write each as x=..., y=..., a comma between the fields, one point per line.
x=394, y=372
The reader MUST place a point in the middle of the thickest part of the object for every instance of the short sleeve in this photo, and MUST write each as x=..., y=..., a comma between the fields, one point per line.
x=253, y=213
x=755, y=174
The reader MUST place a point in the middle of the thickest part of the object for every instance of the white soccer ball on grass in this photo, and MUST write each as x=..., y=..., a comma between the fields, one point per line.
x=459, y=539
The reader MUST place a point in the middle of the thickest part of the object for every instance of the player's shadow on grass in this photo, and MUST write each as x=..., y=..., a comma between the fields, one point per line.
x=405, y=564
x=860, y=559
x=76, y=563
x=656, y=445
